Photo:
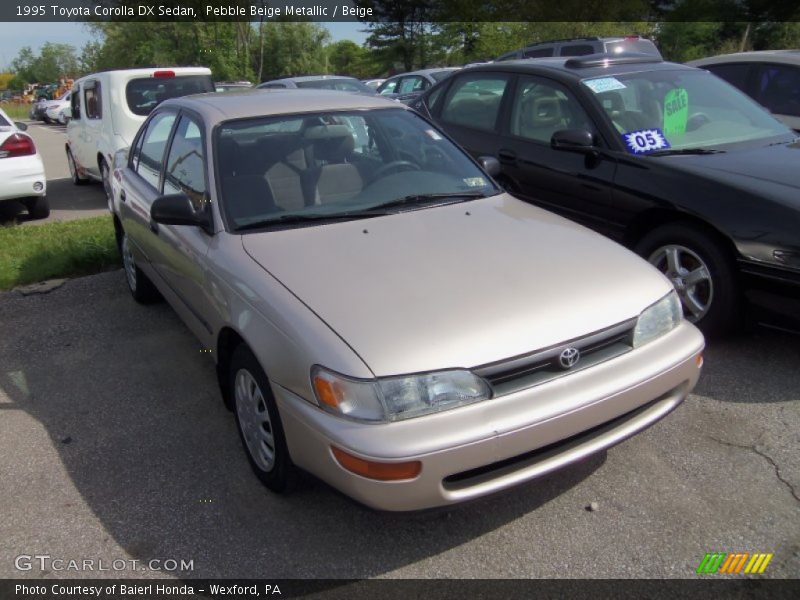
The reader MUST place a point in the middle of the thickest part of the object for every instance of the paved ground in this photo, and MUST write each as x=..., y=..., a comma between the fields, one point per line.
x=115, y=445
x=67, y=201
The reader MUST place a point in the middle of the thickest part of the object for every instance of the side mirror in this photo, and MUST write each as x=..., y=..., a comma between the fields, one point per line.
x=176, y=209
x=573, y=140
x=490, y=164
x=20, y=125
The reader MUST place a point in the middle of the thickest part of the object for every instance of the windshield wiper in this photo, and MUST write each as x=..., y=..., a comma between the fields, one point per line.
x=679, y=151
x=289, y=219
x=425, y=198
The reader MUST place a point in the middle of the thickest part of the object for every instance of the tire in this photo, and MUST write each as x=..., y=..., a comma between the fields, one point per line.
x=702, y=272
x=73, y=170
x=105, y=173
x=38, y=207
x=258, y=422
x=140, y=286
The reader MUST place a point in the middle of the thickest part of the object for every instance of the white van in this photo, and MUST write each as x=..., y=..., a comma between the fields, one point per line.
x=108, y=108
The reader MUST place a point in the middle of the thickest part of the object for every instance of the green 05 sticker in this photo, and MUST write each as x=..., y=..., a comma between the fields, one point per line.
x=676, y=111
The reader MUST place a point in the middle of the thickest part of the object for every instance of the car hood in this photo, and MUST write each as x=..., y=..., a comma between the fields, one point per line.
x=459, y=285
x=768, y=169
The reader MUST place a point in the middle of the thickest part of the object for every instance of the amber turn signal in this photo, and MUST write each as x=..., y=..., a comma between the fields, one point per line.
x=377, y=470
x=699, y=359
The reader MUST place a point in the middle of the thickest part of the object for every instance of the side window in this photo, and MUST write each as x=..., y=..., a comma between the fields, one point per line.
x=93, y=99
x=778, y=88
x=154, y=143
x=75, y=104
x=136, y=151
x=388, y=87
x=538, y=52
x=186, y=166
x=474, y=101
x=736, y=75
x=541, y=107
x=410, y=84
x=577, y=50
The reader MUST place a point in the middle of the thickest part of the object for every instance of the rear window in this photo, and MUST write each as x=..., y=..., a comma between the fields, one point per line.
x=343, y=85
x=641, y=45
x=145, y=93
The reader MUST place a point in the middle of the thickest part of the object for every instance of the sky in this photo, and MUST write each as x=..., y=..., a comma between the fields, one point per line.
x=13, y=36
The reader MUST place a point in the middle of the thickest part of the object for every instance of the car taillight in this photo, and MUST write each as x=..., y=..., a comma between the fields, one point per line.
x=17, y=145
x=164, y=74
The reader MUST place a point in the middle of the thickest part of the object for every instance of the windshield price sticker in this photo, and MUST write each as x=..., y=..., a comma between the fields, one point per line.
x=604, y=84
x=644, y=141
x=475, y=181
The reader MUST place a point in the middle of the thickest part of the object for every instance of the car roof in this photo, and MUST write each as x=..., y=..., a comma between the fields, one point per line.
x=215, y=108
x=780, y=56
x=425, y=71
x=583, y=67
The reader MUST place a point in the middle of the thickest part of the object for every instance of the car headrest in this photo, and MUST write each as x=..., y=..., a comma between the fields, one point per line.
x=331, y=143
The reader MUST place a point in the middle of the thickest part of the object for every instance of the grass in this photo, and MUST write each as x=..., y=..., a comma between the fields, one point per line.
x=17, y=112
x=35, y=253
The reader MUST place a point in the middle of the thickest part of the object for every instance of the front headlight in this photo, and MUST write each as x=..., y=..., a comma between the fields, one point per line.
x=657, y=319
x=396, y=398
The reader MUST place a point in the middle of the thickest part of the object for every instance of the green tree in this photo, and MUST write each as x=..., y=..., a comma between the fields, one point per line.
x=294, y=48
x=345, y=57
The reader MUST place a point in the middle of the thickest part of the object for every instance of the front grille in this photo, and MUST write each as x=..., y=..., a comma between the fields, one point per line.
x=539, y=367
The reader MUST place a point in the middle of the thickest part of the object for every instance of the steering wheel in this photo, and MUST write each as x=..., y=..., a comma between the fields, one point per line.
x=696, y=121
x=395, y=166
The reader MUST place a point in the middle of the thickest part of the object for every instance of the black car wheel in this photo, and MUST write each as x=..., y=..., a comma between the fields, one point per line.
x=700, y=269
x=258, y=421
x=73, y=170
x=38, y=207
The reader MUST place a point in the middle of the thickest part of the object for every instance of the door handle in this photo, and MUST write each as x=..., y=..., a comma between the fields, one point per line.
x=122, y=195
x=508, y=157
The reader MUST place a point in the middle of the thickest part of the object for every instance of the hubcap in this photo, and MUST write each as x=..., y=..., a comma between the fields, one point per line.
x=130, y=264
x=254, y=421
x=690, y=276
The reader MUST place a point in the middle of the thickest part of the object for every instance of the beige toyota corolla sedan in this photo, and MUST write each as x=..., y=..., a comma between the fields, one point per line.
x=381, y=314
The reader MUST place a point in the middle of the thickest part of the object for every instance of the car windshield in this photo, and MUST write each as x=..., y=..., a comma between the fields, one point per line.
x=343, y=85
x=338, y=165
x=681, y=110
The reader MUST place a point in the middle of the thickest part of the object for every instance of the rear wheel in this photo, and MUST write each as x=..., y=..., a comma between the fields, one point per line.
x=142, y=289
x=258, y=421
x=700, y=269
x=73, y=170
x=106, y=174
x=38, y=207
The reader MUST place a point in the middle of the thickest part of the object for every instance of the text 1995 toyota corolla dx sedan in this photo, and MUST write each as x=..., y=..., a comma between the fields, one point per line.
x=381, y=314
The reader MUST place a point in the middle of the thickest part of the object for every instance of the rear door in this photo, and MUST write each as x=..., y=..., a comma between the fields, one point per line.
x=470, y=111
x=141, y=183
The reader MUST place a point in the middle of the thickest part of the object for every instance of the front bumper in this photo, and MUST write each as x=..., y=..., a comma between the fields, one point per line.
x=18, y=176
x=490, y=446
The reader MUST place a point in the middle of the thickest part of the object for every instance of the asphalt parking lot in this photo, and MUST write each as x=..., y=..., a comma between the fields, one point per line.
x=67, y=201
x=116, y=446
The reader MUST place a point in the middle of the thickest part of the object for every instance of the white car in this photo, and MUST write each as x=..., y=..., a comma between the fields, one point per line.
x=54, y=108
x=107, y=109
x=21, y=169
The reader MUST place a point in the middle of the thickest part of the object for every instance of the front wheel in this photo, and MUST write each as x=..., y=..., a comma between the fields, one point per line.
x=258, y=421
x=701, y=271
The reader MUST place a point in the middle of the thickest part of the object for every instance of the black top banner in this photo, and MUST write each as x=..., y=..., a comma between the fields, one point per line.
x=399, y=10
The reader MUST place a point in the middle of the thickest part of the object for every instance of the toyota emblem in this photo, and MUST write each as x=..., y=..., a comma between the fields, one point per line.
x=569, y=357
